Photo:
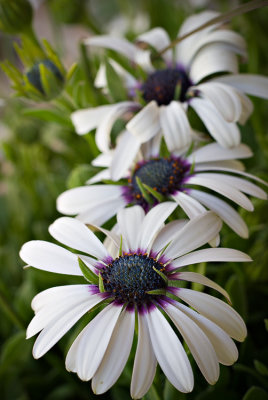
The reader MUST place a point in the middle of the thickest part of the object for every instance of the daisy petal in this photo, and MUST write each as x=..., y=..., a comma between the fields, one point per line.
x=167, y=233
x=217, y=311
x=215, y=152
x=222, y=188
x=56, y=306
x=153, y=221
x=73, y=233
x=203, y=280
x=105, y=126
x=227, y=213
x=124, y=154
x=211, y=255
x=130, y=222
x=198, y=343
x=50, y=257
x=224, y=98
x=226, y=133
x=169, y=352
x=99, y=177
x=145, y=362
x=211, y=59
x=255, y=85
x=194, y=234
x=116, y=354
x=175, y=126
x=157, y=38
x=224, y=346
x=190, y=206
x=120, y=45
x=145, y=124
x=54, y=331
x=93, y=342
x=86, y=120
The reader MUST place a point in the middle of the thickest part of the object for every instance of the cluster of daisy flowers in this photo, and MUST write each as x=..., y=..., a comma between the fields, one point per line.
x=158, y=166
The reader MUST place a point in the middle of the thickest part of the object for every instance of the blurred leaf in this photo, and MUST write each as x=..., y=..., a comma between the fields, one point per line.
x=80, y=175
x=51, y=115
x=255, y=393
x=171, y=393
x=236, y=289
x=15, y=350
x=115, y=85
x=261, y=368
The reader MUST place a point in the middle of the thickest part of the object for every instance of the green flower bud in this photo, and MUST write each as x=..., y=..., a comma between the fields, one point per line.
x=46, y=78
x=15, y=16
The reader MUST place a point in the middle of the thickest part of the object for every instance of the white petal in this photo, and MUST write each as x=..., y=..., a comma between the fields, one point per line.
x=194, y=234
x=145, y=124
x=157, y=38
x=224, y=98
x=198, y=343
x=169, y=352
x=120, y=45
x=52, y=295
x=88, y=119
x=215, y=152
x=175, y=126
x=226, y=133
x=247, y=107
x=239, y=183
x=145, y=362
x=103, y=159
x=224, y=346
x=217, y=311
x=57, y=305
x=54, y=331
x=187, y=47
x=50, y=257
x=227, y=213
x=211, y=255
x=93, y=342
x=153, y=222
x=101, y=77
x=167, y=233
x=255, y=85
x=116, y=354
x=190, y=206
x=212, y=59
x=73, y=233
x=99, y=177
x=124, y=155
x=105, y=126
x=130, y=222
x=203, y=280
x=93, y=201
x=152, y=147
x=223, y=188
x=220, y=166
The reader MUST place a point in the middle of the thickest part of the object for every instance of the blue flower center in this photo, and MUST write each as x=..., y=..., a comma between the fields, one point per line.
x=131, y=276
x=166, y=85
x=164, y=175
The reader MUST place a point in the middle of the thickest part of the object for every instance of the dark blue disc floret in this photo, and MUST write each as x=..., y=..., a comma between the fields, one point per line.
x=166, y=85
x=34, y=76
x=164, y=175
x=129, y=277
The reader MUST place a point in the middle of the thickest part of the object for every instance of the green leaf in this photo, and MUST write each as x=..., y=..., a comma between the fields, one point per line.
x=152, y=394
x=261, y=368
x=49, y=115
x=121, y=246
x=235, y=288
x=80, y=175
x=88, y=274
x=256, y=393
x=159, y=197
x=171, y=393
x=101, y=286
x=143, y=191
x=15, y=350
x=160, y=273
x=201, y=269
x=115, y=85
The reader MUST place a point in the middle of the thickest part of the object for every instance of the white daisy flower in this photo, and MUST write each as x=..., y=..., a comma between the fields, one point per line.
x=161, y=99
x=196, y=182
x=143, y=277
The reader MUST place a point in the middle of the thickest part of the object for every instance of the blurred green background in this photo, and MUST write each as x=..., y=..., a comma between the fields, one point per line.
x=39, y=159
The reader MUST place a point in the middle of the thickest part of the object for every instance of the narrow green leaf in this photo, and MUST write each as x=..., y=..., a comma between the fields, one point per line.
x=261, y=368
x=256, y=393
x=101, y=286
x=160, y=273
x=157, y=291
x=49, y=115
x=88, y=274
x=162, y=251
x=143, y=191
x=115, y=85
x=121, y=246
x=154, y=193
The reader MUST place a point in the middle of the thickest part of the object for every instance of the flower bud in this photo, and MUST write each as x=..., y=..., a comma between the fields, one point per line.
x=15, y=15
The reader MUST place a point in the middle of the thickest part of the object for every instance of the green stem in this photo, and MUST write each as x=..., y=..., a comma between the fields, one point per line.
x=250, y=6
